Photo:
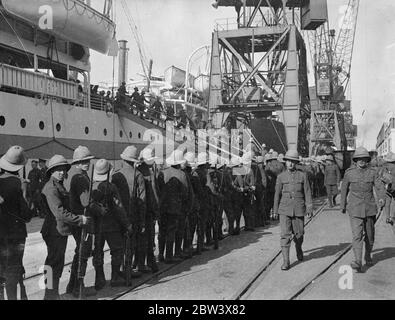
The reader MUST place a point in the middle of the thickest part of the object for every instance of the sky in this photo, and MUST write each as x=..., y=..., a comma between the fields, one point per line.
x=173, y=29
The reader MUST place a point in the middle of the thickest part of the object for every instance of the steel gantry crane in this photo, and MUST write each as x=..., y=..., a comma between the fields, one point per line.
x=331, y=118
x=259, y=65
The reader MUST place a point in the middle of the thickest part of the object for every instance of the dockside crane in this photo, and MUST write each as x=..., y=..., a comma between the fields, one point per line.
x=331, y=118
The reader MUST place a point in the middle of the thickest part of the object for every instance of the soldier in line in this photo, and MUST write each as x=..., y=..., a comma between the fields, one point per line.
x=131, y=187
x=387, y=175
x=228, y=197
x=57, y=223
x=173, y=204
x=212, y=232
x=260, y=192
x=14, y=214
x=112, y=224
x=200, y=173
x=147, y=168
x=272, y=170
x=79, y=205
x=34, y=189
x=192, y=218
x=292, y=202
x=357, y=198
x=237, y=197
x=331, y=180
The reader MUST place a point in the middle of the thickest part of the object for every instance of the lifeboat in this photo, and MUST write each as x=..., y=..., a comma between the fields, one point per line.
x=73, y=20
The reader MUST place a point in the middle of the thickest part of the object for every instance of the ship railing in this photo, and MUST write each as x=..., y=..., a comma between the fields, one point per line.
x=38, y=83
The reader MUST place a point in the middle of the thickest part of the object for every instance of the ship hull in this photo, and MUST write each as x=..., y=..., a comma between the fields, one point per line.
x=45, y=128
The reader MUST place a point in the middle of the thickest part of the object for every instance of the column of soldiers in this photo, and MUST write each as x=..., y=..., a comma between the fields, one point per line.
x=186, y=199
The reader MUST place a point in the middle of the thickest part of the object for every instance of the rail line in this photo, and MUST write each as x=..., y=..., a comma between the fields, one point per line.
x=251, y=286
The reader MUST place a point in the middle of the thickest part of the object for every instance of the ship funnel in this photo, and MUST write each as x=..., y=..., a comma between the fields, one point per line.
x=122, y=62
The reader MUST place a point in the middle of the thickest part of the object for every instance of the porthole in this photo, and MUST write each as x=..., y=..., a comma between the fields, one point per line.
x=139, y=135
x=23, y=123
x=121, y=133
x=41, y=125
x=130, y=134
x=86, y=130
x=2, y=121
x=105, y=132
x=58, y=127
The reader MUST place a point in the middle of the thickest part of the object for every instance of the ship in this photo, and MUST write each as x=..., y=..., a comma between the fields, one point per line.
x=47, y=104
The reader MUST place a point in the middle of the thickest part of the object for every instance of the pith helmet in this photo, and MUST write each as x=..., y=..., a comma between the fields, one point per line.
x=190, y=159
x=81, y=154
x=130, y=154
x=148, y=155
x=57, y=161
x=330, y=158
x=361, y=153
x=202, y=159
x=260, y=159
x=235, y=162
x=281, y=158
x=14, y=160
x=292, y=155
x=176, y=158
x=390, y=158
x=102, y=168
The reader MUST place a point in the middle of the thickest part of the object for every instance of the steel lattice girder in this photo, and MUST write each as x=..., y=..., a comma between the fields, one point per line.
x=270, y=58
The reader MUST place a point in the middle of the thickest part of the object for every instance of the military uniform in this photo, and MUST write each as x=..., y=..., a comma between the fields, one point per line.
x=331, y=181
x=79, y=202
x=111, y=225
x=229, y=195
x=14, y=214
x=152, y=213
x=245, y=184
x=387, y=175
x=173, y=205
x=131, y=187
x=260, y=193
x=358, y=199
x=292, y=201
x=56, y=229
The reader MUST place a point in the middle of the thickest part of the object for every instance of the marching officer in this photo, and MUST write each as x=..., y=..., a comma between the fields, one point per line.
x=173, y=203
x=131, y=187
x=331, y=179
x=292, y=201
x=14, y=214
x=148, y=168
x=111, y=225
x=79, y=205
x=58, y=221
x=358, y=199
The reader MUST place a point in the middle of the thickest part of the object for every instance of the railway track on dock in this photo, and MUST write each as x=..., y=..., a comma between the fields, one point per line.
x=259, y=278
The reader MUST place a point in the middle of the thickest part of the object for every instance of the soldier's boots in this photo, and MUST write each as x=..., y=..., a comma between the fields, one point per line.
x=154, y=267
x=117, y=279
x=285, y=251
x=356, y=265
x=161, y=258
x=368, y=257
x=53, y=294
x=330, y=199
x=73, y=279
x=100, y=279
x=299, y=251
x=86, y=291
x=12, y=287
x=334, y=201
x=144, y=269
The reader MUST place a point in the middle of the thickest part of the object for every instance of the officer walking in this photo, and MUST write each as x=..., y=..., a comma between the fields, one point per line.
x=57, y=223
x=79, y=205
x=14, y=214
x=358, y=200
x=331, y=179
x=292, y=202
